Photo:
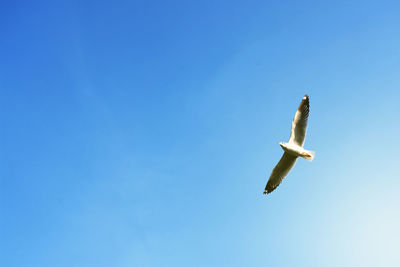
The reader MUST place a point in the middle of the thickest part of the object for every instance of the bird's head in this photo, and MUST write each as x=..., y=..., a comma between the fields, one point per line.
x=281, y=144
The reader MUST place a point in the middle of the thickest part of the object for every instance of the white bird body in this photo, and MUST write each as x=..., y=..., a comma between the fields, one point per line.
x=297, y=151
x=293, y=149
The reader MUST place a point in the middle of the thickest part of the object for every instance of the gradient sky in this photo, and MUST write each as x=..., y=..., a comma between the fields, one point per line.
x=142, y=133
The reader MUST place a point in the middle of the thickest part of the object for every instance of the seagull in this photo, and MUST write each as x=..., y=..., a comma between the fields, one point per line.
x=293, y=149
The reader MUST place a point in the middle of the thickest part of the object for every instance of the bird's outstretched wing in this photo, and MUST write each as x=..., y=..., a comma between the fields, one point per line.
x=280, y=171
x=299, y=124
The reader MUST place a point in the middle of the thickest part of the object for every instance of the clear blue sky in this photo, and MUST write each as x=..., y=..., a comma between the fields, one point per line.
x=142, y=133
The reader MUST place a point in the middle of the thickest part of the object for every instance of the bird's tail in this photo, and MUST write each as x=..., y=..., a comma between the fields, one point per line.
x=308, y=155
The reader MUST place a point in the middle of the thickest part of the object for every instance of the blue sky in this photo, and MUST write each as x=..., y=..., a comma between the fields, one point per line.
x=142, y=133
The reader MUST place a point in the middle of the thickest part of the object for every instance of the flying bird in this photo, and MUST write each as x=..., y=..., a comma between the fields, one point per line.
x=292, y=149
